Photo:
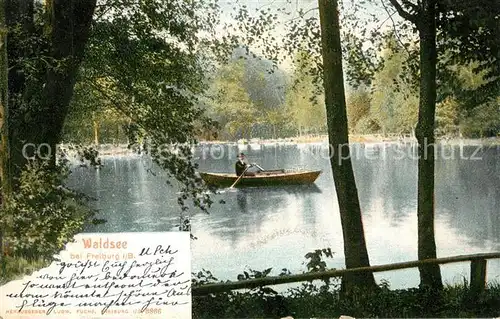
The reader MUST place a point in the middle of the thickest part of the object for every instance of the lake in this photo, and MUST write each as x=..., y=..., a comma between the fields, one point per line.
x=259, y=228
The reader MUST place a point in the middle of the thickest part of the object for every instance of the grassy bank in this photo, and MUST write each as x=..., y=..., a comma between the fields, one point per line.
x=14, y=268
x=308, y=302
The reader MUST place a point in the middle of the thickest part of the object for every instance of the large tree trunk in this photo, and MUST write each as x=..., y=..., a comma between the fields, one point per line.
x=5, y=175
x=356, y=254
x=68, y=27
x=19, y=15
x=95, y=124
x=430, y=275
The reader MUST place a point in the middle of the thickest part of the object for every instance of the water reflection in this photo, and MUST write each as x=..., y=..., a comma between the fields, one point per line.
x=242, y=200
x=274, y=227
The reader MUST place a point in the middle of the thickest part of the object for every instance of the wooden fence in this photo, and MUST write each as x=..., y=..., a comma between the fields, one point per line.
x=477, y=274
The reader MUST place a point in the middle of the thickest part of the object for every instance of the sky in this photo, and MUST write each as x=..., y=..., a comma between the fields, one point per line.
x=309, y=6
x=255, y=5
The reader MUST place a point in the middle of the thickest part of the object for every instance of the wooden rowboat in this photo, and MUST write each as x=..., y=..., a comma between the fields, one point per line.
x=265, y=178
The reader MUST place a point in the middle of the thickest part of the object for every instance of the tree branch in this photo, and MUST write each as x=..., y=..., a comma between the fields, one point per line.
x=404, y=14
x=117, y=105
x=302, y=15
x=394, y=27
x=265, y=5
x=411, y=5
x=386, y=19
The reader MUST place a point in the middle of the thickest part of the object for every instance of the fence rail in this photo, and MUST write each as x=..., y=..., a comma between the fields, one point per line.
x=477, y=276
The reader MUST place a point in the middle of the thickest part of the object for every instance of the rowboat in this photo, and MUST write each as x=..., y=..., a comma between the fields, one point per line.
x=264, y=178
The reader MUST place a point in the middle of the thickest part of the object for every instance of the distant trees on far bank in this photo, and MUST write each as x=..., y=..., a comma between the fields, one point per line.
x=388, y=106
x=247, y=101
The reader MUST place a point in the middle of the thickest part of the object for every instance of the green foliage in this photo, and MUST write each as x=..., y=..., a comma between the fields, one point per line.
x=367, y=125
x=483, y=121
x=260, y=301
x=447, y=117
x=468, y=33
x=13, y=268
x=279, y=120
x=247, y=103
x=390, y=104
x=147, y=65
x=304, y=98
x=311, y=302
x=43, y=215
x=455, y=116
x=394, y=104
x=358, y=107
x=316, y=263
x=233, y=108
x=29, y=55
x=92, y=119
x=143, y=72
x=248, y=100
x=325, y=300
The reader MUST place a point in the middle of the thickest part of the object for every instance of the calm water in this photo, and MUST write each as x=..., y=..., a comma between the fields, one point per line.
x=259, y=228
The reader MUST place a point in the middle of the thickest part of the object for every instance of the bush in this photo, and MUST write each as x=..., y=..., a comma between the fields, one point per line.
x=483, y=121
x=311, y=301
x=367, y=125
x=323, y=299
x=14, y=268
x=42, y=215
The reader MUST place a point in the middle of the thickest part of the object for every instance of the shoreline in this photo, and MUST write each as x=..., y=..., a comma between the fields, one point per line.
x=361, y=139
x=123, y=150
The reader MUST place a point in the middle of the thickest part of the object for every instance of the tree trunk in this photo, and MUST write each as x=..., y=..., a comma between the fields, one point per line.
x=118, y=135
x=68, y=26
x=19, y=15
x=356, y=254
x=96, y=132
x=430, y=275
x=96, y=129
x=5, y=174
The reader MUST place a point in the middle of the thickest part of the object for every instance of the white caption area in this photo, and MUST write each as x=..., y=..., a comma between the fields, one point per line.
x=115, y=275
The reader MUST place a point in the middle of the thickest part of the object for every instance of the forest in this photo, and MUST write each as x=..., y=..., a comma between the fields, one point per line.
x=153, y=74
x=248, y=102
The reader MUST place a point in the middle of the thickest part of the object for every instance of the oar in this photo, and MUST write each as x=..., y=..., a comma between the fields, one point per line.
x=263, y=170
x=236, y=182
x=259, y=167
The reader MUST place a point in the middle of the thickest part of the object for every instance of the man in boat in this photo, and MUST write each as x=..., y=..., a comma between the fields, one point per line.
x=241, y=166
